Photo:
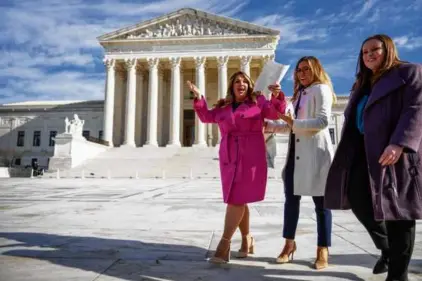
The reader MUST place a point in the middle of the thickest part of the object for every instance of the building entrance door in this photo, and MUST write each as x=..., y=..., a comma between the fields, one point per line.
x=188, y=127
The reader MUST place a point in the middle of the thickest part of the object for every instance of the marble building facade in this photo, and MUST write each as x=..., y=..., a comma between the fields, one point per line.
x=147, y=103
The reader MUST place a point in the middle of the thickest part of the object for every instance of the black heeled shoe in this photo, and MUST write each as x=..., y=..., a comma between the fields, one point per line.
x=382, y=264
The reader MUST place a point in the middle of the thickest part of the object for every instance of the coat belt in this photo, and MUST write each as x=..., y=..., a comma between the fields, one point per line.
x=244, y=134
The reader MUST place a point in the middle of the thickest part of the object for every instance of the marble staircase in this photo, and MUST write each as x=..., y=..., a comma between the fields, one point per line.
x=147, y=162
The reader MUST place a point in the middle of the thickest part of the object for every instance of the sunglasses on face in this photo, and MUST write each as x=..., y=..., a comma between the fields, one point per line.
x=303, y=69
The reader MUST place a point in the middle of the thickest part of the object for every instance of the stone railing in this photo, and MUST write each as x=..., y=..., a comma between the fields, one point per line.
x=97, y=140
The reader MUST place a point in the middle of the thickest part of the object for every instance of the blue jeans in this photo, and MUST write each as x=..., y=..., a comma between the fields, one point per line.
x=292, y=206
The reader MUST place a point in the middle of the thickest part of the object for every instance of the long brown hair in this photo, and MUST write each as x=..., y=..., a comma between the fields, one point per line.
x=364, y=75
x=229, y=99
x=319, y=76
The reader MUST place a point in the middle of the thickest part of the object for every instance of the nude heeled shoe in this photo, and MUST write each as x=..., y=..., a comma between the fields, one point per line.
x=222, y=253
x=247, y=246
x=287, y=252
x=321, y=260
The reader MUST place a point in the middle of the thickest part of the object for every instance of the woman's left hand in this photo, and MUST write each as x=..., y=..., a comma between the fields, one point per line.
x=275, y=89
x=390, y=155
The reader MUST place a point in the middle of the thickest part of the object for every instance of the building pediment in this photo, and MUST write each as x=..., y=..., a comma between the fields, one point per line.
x=188, y=23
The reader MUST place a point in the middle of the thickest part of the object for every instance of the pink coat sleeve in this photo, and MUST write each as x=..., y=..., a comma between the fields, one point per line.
x=204, y=114
x=271, y=109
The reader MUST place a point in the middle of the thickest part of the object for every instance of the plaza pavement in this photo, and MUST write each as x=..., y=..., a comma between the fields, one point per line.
x=154, y=229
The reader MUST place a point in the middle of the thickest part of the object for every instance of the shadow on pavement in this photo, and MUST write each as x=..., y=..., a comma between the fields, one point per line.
x=136, y=260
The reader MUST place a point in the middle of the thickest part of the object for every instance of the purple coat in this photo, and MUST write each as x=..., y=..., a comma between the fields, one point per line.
x=393, y=115
x=242, y=155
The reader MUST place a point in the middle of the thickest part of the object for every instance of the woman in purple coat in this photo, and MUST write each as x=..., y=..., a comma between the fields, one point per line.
x=243, y=163
x=377, y=169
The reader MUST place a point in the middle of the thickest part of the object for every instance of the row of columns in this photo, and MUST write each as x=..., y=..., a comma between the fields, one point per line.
x=175, y=62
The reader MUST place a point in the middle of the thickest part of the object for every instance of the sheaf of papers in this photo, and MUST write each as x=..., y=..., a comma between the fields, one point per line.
x=271, y=73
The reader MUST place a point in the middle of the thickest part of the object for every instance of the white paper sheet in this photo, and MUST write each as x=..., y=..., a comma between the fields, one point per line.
x=271, y=73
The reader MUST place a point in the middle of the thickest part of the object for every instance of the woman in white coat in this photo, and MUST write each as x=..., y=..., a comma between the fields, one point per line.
x=309, y=155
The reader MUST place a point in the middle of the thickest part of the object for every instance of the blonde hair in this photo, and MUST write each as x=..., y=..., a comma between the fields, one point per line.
x=229, y=99
x=319, y=76
x=364, y=75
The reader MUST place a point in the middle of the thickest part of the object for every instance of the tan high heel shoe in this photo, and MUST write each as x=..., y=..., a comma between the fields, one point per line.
x=321, y=260
x=247, y=247
x=222, y=253
x=288, y=250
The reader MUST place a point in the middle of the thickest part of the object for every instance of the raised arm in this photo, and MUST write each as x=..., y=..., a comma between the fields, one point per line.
x=323, y=98
x=271, y=109
x=204, y=114
x=200, y=105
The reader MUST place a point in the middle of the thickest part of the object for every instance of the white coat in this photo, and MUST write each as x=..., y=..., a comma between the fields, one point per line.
x=314, y=149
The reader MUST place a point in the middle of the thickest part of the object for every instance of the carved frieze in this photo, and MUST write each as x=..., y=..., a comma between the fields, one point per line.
x=189, y=25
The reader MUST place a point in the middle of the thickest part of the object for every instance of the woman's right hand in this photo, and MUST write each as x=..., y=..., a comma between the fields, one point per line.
x=275, y=89
x=193, y=89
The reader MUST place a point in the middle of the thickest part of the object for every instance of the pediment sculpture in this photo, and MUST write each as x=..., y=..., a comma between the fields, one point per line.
x=189, y=26
x=75, y=126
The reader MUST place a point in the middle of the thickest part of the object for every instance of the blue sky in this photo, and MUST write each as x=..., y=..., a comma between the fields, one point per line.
x=49, y=51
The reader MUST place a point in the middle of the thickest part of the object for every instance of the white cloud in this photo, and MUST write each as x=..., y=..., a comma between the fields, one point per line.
x=342, y=69
x=23, y=60
x=318, y=11
x=318, y=52
x=366, y=7
x=288, y=5
x=39, y=37
x=401, y=41
x=292, y=30
x=21, y=72
x=375, y=16
x=416, y=5
x=63, y=85
x=49, y=47
x=408, y=42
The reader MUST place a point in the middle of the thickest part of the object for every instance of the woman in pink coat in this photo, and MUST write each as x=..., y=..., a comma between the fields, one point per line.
x=243, y=165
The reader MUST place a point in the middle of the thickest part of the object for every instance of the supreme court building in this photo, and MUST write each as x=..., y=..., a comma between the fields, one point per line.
x=147, y=102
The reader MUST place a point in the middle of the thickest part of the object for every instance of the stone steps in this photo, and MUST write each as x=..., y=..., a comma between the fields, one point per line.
x=129, y=162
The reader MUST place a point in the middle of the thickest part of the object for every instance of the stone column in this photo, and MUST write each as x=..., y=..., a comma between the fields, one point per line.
x=160, y=104
x=222, y=82
x=175, y=103
x=120, y=107
x=245, y=62
x=109, y=102
x=152, y=102
x=267, y=58
x=139, y=105
x=182, y=101
x=129, y=139
x=200, y=83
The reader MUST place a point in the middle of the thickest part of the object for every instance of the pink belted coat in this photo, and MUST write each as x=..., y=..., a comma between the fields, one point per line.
x=242, y=155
